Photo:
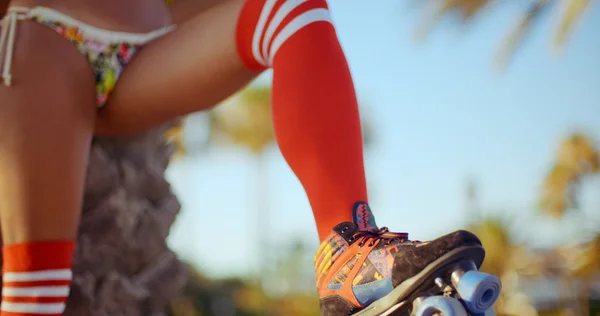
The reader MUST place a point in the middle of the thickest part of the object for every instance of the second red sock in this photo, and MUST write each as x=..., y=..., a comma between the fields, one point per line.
x=36, y=278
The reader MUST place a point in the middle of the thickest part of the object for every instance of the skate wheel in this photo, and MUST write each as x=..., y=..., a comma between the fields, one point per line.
x=440, y=305
x=479, y=291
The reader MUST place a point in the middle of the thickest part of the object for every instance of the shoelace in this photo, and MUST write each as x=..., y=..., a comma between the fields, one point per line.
x=383, y=233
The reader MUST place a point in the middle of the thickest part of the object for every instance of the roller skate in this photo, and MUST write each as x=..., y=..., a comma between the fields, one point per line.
x=364, y=270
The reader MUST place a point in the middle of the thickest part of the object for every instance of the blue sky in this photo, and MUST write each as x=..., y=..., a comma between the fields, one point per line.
x=441, y=116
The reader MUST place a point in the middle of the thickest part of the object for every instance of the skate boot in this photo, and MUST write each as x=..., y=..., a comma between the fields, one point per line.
x=365, y=270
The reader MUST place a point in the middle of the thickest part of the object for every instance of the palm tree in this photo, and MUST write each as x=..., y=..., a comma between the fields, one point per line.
x=571, y=12
x=577, y=159
x=122, y=265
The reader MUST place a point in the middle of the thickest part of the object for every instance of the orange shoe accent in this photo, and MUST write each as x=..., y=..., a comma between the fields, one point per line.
x=354, y=264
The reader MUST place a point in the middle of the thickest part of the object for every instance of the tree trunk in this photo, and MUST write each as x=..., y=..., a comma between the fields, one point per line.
x=122, y=264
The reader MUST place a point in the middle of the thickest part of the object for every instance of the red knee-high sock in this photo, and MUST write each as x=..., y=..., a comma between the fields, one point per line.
x=36, y=278
x=315, y=110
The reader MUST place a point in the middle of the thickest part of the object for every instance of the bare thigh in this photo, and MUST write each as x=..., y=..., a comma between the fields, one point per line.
x=184, y=10
x=46, y=122
x=189, y=70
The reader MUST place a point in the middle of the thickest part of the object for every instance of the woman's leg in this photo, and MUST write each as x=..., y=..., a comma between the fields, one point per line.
x=314, y=104
x=46, y=124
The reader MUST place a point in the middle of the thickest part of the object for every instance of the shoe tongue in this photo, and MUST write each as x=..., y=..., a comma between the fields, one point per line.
x=363, y=217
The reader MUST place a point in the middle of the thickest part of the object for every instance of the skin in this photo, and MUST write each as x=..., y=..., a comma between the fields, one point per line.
x=48, y=115
x=184, y=10
x=198, y=66
x=44, y=138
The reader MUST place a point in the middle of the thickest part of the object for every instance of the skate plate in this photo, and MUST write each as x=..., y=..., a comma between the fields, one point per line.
x=449, y=286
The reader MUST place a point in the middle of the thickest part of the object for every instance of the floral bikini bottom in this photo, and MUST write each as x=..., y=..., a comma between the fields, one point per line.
x=106, y=51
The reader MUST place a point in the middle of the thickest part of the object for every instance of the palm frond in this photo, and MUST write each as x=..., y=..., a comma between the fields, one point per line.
x=517, y=35
x=573, y=12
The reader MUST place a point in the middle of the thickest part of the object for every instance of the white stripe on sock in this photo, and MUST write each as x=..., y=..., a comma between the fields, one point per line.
x=36, y=291
x=258, y=32
x=281, y=14
x=304, y=19
x=33, y=308
x=45, y=275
